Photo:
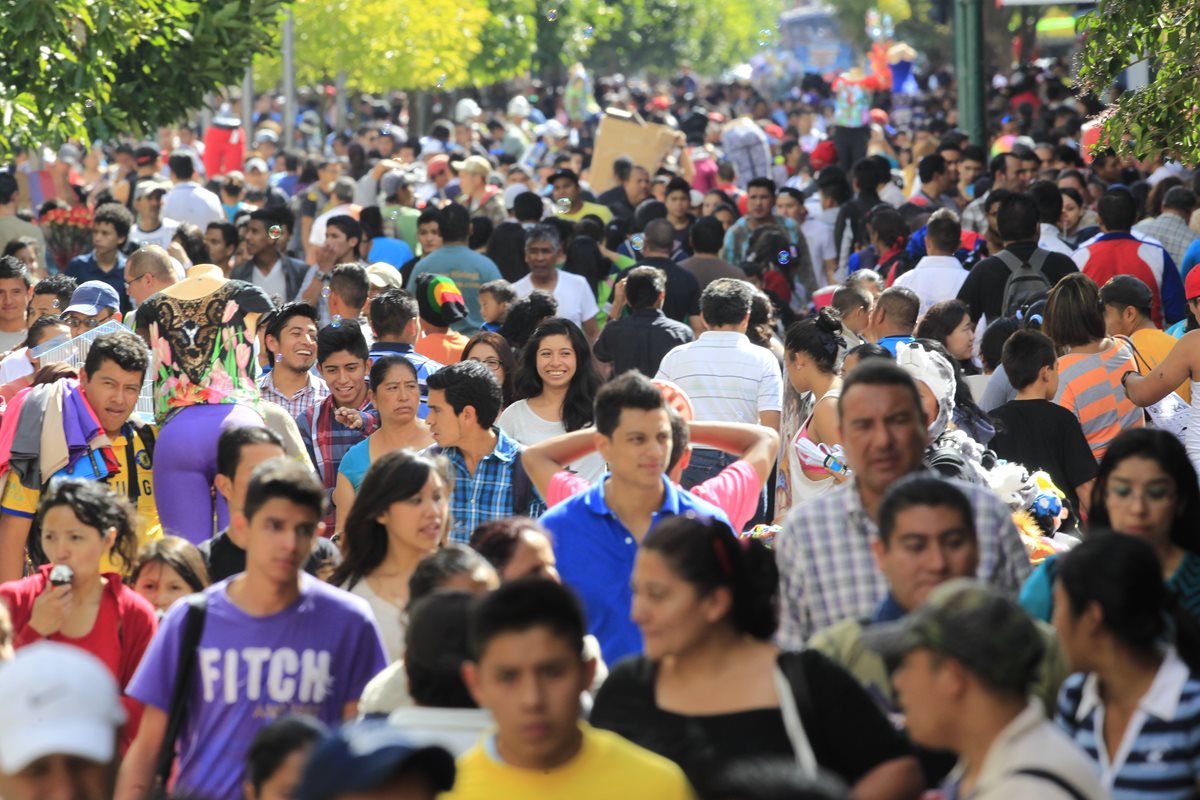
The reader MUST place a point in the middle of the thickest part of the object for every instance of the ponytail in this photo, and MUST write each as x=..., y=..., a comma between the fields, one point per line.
x=706, y=554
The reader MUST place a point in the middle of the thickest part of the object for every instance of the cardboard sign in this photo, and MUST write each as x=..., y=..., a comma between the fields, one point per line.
x=624, y=134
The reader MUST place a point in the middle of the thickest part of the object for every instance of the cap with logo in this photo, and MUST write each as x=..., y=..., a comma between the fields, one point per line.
x=364, y=756
x=58, y=700
x=92, y=297
x=990, y=635
x=440, y=302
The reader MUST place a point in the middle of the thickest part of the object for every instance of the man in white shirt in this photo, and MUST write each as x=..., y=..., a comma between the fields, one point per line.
x=727, y=378
x=151, y=227
x=1049, y=203
x=343, y=195
x=939, y=275
x=576, y=302
x=188, y=201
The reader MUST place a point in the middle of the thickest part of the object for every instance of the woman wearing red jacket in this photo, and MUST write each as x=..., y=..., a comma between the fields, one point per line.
x=81, y=521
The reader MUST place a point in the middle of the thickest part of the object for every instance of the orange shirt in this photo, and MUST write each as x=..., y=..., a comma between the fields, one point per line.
x=444, y=348
x=1089, y=385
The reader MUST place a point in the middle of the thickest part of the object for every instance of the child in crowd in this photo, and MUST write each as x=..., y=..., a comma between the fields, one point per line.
x=1036, y=431
x=494, y=299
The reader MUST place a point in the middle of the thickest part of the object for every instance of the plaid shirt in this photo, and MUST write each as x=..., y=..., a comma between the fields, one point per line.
x=488, y=494
x=974, y=217
x=327, y=440
x=313, y=392
x=1171, y=231
x=827, y=573
x=424, y=366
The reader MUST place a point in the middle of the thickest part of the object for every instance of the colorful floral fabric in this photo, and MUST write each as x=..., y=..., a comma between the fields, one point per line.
x=202, y=353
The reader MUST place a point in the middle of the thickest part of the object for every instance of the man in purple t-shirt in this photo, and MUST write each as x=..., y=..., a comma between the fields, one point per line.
x=276, y=642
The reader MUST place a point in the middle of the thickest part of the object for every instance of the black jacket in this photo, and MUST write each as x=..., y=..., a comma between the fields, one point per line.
x=294, y=271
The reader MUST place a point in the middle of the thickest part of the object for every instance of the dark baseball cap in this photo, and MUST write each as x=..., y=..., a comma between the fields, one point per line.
x=1126, y=290
x=145, y=155
x=968, y=621
x=563, y=173
x=364, y=756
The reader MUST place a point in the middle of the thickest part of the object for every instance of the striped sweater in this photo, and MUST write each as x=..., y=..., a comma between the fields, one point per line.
x=1089, y=386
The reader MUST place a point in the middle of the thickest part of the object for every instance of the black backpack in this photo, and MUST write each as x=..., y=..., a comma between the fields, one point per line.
x=1026, y=282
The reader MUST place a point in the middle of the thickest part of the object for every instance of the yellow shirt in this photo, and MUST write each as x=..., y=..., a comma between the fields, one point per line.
x=1152, y=347
x=589, y=208
x=22, y=502
x=608, y=766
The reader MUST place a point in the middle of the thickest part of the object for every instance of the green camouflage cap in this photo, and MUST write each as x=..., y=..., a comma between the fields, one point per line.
x=965, y=619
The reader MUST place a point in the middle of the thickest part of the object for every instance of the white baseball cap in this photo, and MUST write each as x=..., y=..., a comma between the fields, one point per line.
x=58, y=700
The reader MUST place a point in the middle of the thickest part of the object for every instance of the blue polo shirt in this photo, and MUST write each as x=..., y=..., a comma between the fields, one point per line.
x=85, y=268
x=595, y=553
x=890, y=343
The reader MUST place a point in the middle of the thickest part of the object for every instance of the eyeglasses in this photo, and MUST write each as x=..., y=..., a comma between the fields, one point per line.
x=131, y=281
x=491, y=363
x=81, y=322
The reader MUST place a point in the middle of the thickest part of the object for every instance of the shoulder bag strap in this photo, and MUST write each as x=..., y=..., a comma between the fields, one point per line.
x=192, y=631
x=1137, y=356
x=805, y=758
x=1057, y=780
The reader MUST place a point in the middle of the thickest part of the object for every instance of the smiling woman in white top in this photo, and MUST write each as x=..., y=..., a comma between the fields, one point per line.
x=1134, y=704
x=557, y=381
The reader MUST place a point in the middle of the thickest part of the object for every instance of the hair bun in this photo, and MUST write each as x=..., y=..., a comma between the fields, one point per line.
x=829, y=320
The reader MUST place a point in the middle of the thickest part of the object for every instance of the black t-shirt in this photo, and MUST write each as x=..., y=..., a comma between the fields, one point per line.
x=1044, y=435
x=848, y=733
x=983, y=290
x=224, y=558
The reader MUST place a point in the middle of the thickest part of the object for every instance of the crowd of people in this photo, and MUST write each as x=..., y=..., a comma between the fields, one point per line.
x=832, y=455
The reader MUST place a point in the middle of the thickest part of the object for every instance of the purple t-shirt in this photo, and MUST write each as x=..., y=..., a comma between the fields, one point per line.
x=311, y=658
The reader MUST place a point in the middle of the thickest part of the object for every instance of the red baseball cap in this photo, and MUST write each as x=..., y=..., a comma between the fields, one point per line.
x=1191, y=285
x=824, y=154
x=879, y=116
x=437, y=165
x=774, y=131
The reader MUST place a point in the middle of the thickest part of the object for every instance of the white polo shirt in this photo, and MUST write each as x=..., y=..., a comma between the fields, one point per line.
x=575, y=299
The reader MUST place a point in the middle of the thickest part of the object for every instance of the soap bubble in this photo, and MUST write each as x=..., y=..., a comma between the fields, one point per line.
x=764, y=37
x=563, y=206
x=638, y=241
x=551, y=14
x=325, y=293
x=275, y=231
x=395, y=214
x=441, y=81
x=336, y=322
x=588, y=32
x=784, y=257
x=89, y=102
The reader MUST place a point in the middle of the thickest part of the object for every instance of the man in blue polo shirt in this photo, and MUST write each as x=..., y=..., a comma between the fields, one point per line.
x=596, y=534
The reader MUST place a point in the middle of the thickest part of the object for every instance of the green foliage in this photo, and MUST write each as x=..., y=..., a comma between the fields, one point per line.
x=1161, y=117
x=73, y=69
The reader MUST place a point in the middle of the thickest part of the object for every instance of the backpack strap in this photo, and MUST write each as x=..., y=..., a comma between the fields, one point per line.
x=1057, y=780
x=1010, y=260
x=523, y=492
x=193, y=629
x=1038, y=259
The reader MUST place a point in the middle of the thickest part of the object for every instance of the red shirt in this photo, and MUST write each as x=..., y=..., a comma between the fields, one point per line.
x=124, y=626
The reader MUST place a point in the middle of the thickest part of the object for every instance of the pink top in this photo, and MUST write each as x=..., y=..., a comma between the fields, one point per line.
x=735, y=490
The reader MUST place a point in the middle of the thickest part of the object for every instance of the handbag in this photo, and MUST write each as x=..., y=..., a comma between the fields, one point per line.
x=1171, y=414
x=193, y=628
x=806, y=759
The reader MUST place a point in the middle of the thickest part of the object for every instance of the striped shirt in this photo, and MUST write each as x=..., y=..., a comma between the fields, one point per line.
x=1089, y=386
x=1172, y=231
x=488, y=494
x=727, y=378
x=313, y=392
x=1159, y=753
x=827, y=572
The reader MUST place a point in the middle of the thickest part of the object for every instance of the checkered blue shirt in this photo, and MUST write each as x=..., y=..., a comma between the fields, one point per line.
x=488, y=494
x=312, y=394
x=1171, y=231
x=827, y=573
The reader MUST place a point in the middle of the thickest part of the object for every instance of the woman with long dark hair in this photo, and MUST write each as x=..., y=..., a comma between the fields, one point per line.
x=1131, y=704
x=400, y=515
x=712, y=687
x=557, y=382
x=493, y=351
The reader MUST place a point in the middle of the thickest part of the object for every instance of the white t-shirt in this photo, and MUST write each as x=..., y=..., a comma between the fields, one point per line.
x=391, y=620
x=575, y=299
x=521, y=423
x=934, y=279
x=819, y=236
x=160, y=236
x=191, y=202
x=274, y=283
